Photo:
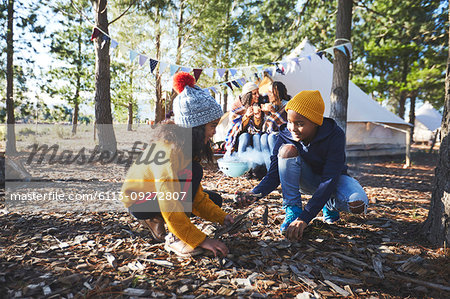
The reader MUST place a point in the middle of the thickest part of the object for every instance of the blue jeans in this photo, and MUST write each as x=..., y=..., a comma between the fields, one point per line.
x=297, y=177
x=258, y=140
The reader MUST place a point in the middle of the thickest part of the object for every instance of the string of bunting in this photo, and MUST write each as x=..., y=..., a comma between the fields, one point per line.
x=246, y=72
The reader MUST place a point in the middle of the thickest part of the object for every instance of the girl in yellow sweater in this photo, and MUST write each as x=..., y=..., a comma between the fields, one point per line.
x=165, y=186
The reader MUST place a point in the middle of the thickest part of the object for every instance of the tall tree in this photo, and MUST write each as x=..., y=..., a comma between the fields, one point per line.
x=11, y=134
x=103, y=117
x=405, y=39
x=339, y=87
x=437, y=225
x=70, y=47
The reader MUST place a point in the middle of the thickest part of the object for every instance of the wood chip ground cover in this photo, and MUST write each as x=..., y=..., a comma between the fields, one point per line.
x=109, y=255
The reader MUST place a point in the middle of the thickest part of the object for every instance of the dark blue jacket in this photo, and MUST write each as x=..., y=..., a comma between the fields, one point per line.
x=326, y=157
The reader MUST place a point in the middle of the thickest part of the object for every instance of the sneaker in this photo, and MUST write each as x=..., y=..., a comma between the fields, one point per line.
x=175, y=245
x=292, y=213
x=156, y=227
x=330, y=216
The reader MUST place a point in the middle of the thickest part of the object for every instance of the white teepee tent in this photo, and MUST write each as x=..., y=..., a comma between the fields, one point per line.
x=427, y=123
x=371, y=129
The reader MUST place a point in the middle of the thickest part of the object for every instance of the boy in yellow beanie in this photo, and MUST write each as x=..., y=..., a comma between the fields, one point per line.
x=309, y=157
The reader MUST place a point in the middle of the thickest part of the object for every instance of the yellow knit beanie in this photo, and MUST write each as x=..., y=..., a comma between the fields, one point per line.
x=308, y=103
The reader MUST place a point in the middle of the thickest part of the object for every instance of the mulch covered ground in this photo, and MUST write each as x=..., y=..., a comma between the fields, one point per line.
x=109, y=255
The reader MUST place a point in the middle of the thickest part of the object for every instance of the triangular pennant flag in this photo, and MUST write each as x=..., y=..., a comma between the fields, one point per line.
x=247, y=72
x=285, y=65
x=133, y=55
x=197, y=73
x=233, y=72
x=186, y=69
x=162, y=67
x=330, y=51
x=348, y=47
x=221, y=72
x=235, y=84
x=142, y=59
x=213, y=89
x=114, y=44
x=123, y=50
x=173, y=69
x=342, y=49
x=95, y=33
x=229, y=85
x=320, y=54
x=153, y=64
x=210, y=72
x=259, y=68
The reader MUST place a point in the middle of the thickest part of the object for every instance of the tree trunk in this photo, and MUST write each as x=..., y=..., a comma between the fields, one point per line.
x=339, y=88
x=11, y=133
x=78, y=86
x=130, y=116
x=173, y=94
x=130, y=104
x=403, y=94
x=75, y=118
x=159, y=109
x=436, y=227
x=225, y=95
x=412, y=115
x=105, y=130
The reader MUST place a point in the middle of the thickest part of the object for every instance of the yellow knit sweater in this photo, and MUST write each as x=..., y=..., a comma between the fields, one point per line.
x=151, y=177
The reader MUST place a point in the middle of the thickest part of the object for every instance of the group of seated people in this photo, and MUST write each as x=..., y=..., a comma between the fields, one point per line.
x=255, y=119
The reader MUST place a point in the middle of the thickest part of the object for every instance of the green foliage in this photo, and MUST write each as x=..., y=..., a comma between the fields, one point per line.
x=398, y=49
x=72, y=79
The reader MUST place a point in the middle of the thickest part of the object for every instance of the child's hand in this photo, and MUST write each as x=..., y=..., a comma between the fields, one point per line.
x=295, y=230
x=214, y=246
x=243, y=200
x=229, y=220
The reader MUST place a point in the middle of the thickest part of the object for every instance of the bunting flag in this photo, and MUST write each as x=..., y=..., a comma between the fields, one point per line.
x=282, y=67
x=330, y=51
x=133, y=55
x=348, y=46
x=123, y=51
x=186, y=69
x=197, y=73
x=114, y=44
x=209, y=72
x=162, y=67
x=142, y=59
x=221, y=72
x=259, y=68
x=95, y=33
x=105, y=39
x=173, y=69
x=153, y=64
x=342, y=49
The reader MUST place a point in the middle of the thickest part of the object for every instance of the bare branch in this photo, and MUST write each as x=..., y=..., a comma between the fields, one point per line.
x=126, y=10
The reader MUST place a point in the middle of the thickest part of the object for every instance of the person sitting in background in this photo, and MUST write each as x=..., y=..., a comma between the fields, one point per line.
x=276, y=115
x=246, y=121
